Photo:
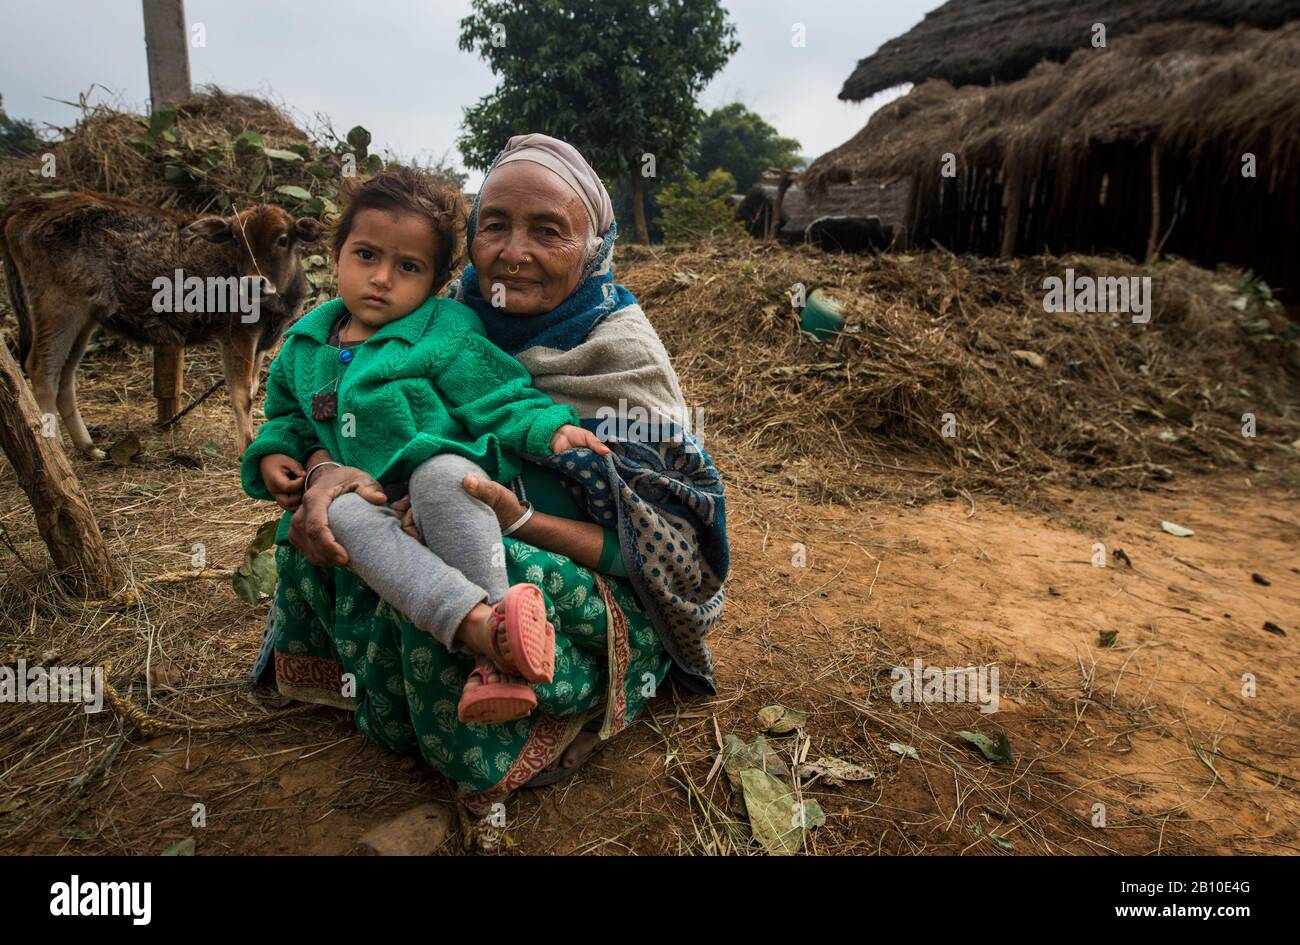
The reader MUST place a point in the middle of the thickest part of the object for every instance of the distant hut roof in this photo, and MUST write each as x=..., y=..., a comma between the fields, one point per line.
x=979, y=41
x=1181, y=85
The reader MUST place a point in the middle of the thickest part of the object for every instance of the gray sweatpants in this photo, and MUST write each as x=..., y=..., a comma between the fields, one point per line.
x=435, y=584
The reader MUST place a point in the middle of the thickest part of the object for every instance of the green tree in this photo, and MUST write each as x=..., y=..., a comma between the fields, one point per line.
x=743, y=144
x=692, y=209
x=17, y=138
x=616, y=80
x=620, y=193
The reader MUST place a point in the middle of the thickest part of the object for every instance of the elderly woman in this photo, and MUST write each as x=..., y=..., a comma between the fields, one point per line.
x=629, y=549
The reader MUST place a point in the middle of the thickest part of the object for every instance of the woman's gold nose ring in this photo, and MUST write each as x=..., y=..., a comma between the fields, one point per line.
x=514, y=270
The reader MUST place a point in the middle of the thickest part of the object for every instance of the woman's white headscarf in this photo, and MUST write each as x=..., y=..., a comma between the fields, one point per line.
x=563, y=160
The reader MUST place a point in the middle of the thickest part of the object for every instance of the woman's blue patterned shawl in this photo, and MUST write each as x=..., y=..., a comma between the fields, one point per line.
x=670, y=513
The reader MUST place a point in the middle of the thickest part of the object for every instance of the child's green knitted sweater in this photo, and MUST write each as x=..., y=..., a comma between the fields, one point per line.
x=425, y=384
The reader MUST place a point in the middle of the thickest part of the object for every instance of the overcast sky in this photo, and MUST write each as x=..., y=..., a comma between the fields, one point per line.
x=394, y=66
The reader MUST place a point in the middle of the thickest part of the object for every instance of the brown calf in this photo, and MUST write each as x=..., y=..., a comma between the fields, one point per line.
x=82, y=260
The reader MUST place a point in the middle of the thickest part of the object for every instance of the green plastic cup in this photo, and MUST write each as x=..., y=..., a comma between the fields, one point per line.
x=822, y=316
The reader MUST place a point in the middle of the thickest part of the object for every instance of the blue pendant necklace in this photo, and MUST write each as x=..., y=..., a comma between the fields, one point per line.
x=325, y=406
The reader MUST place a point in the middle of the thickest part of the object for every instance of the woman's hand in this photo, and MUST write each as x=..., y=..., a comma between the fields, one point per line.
x=495, y=496
x=570, y=437
x=309, y=530
x=581, y=541
x=283, y=477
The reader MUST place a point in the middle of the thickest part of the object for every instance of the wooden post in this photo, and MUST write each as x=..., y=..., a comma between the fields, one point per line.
x=63, y=516
x=167, y=49
x=1011, y=218
x=774, y=224
x=1153, y=236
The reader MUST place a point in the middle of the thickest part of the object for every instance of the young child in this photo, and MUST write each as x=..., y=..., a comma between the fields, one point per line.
x=406, y=387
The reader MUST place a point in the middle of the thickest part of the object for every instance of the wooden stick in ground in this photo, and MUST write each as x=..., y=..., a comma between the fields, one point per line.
x=1011, y=219
x=1153, y=243
x=177, y=417
x=774, y=224
x=63, y=516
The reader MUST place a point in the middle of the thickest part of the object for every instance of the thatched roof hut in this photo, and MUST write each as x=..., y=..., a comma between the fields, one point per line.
x=981, y=41
x=1139, y=146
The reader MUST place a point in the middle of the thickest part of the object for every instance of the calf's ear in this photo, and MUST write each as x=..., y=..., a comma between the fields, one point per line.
x=212, y=229
x=308, y=230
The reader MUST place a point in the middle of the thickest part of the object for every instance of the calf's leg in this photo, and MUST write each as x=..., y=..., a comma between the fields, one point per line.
x=67, y=399
x=237, y=360
x=55, y=335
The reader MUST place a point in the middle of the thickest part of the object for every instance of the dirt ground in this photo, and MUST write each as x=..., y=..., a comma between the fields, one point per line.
x=1156, y=727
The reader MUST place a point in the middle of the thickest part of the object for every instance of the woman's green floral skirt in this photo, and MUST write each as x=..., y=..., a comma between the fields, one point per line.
x=337, y=643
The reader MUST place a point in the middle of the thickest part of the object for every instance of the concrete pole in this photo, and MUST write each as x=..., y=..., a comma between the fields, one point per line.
x=167, y=47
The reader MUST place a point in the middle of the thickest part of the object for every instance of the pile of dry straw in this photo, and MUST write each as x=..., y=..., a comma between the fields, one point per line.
x=1035, y=397
x=213, y=151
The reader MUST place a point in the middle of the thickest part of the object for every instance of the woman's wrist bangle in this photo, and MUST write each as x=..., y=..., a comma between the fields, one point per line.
x=306, y=480
x=521, y=521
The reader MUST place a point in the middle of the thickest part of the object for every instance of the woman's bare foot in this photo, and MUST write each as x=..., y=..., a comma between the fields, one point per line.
x=584, y=743
x=579, y=747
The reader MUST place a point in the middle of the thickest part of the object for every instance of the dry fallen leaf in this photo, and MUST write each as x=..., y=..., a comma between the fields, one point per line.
x=165, y=674
x=835, y=771
x=778, y=720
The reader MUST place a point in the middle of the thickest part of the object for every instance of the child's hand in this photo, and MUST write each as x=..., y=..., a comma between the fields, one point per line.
x=283, y=476
x=403, y=509
x=503, y=502
x=570, y=437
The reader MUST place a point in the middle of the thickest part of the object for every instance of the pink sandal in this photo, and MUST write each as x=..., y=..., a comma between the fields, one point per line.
x=531, y=638
x=492, y=703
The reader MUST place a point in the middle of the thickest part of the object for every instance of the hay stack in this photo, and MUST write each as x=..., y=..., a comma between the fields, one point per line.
x=220, y=150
